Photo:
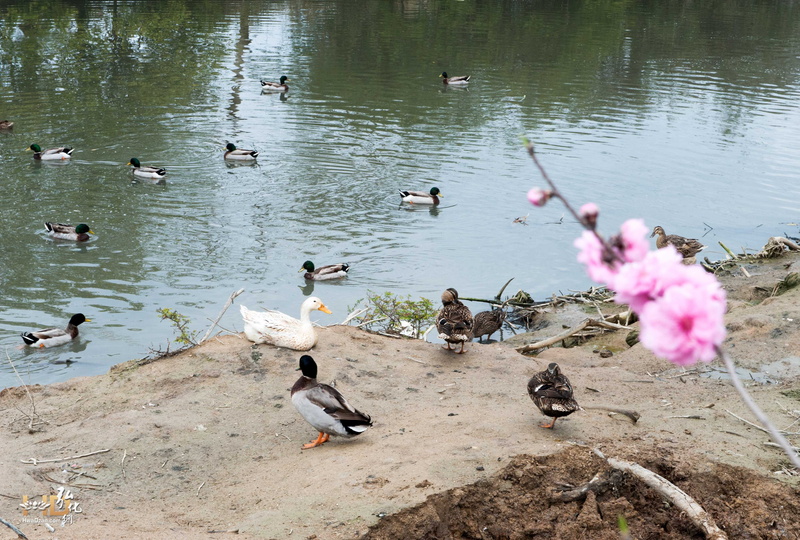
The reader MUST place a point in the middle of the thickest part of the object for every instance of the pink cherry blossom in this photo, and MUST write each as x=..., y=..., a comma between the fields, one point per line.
x=594, y=255
x=634, y=240
x=539, y=197
x=686, y=324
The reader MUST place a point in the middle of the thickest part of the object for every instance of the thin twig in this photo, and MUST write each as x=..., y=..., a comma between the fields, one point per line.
x=122, y=463
x=221, y=313
x=200, y=487
x=20, y=534
x=34, y=461
x=748, y=400
x=33, y=414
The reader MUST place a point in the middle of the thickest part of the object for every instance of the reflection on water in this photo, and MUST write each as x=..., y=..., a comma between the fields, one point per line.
x=683, y=117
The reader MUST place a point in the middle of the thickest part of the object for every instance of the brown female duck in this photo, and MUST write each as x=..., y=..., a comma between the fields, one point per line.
x=687, y=247
x=487, y=323
x=551, y=391
x=454, y=320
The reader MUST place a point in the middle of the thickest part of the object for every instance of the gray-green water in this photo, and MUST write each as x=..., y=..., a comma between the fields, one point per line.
x=685, y=114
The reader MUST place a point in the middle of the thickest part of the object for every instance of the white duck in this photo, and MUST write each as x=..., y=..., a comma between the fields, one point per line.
x=324, y=407
x=281, y=330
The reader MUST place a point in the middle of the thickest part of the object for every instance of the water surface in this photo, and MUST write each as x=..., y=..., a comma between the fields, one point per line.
x=683, y=114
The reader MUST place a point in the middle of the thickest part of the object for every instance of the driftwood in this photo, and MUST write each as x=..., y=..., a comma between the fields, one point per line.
x=600, y=483
x=775, y=247
x=682, y=500
x=34, y=461
x=569, y=332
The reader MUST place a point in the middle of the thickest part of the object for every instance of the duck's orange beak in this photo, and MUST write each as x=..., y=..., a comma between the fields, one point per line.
x=323, y=308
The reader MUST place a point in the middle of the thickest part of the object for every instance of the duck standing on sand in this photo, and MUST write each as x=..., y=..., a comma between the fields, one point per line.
x=454, y=320
x=552, y=393
x=324, y=407
x=324, y=273
x=281, y=330
x=61, y=231
x=687, y=247
x=51, y=337
x=487, y=323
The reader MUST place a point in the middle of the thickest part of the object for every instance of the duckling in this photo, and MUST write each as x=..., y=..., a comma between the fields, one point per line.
x=281, y=330
x=239, y=154
x=687, y=247
x=552, y=393
x=156, y=173
x=267, y=86
x=324, y=407
x=454, y=320
x=51, y=154
x=78, y=233
x=487, y=323
x=420, y=197
x=455, y=81
x=6, y=124
x=51, y=337
x=323, y=273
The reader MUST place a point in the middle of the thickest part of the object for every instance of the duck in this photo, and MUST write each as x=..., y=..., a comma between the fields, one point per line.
x=281, y=330
x=61, y=231
x=323, y=273
x=239, y=153
x=51, y=154
x=420, y=197
x=6, y=124
x=687, y=247
x=551, y=391
x=267, y=86
x=487, y=323
x=146, y=172
x=454, y=321
x=324, y=407
x=51, y=337
x=456, y=81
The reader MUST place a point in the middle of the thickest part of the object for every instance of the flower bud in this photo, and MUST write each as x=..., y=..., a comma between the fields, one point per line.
x=588, y=214
x=539, y=197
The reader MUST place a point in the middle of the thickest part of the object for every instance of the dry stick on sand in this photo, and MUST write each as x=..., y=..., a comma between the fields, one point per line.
x=633, y=415
x=221, y=313
x=574, y=330
x=33, y=415
x=20, y=534
x=672, y=493
x=34, y=461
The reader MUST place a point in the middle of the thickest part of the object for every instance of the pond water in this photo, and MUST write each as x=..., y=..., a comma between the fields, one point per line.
x=684, y=114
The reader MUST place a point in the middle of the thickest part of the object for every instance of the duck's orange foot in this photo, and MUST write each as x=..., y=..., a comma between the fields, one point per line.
x=322, y=439
x=548, y=426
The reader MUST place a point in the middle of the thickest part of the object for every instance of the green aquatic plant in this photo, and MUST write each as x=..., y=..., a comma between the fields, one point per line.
x=394, y=314
x=181, y=323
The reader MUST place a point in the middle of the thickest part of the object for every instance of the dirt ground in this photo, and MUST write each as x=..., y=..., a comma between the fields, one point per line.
x=206, y=443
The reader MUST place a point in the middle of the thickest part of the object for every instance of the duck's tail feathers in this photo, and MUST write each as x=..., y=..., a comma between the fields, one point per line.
x=29, y=338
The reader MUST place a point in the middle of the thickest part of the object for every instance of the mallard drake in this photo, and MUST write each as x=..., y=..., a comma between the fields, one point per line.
x=281, y=330
x=239, y=154
x=324, y=407
x=146, y=172
x=487, y=323
x=688, y=247
x=455, y=81
x=6, y=124
x=267, y=86
x=420, y=197
x=51, y=154
x=78, y=233
x=552, y=393
x=454, y=320
x=323, y=273
x=51, y=337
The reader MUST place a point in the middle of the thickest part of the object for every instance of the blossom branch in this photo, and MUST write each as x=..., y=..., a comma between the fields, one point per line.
x=759, y=414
